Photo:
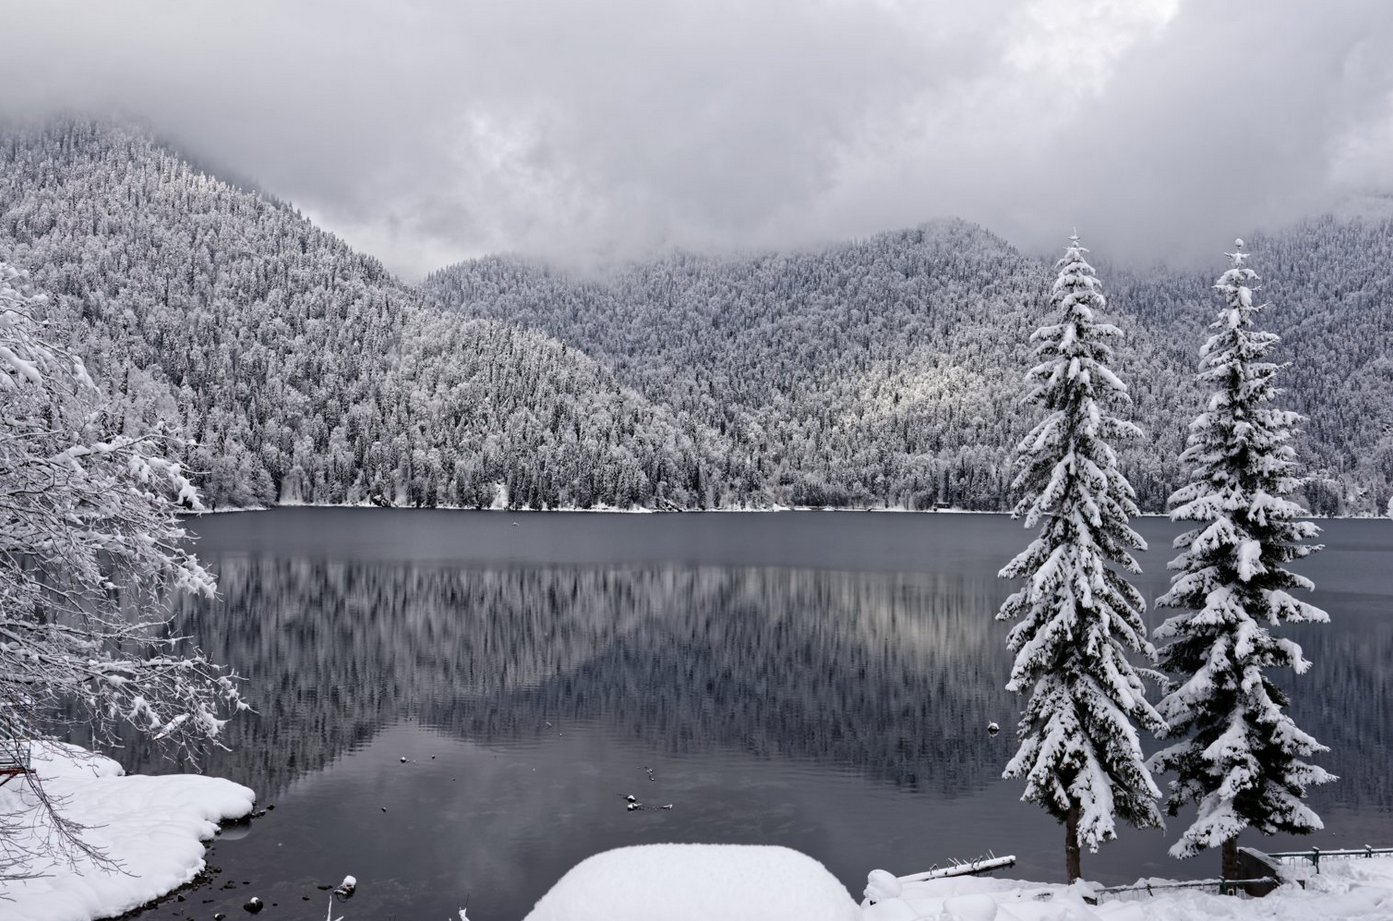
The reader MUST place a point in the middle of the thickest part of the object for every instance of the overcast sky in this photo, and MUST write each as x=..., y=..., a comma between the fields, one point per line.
x=426, y=131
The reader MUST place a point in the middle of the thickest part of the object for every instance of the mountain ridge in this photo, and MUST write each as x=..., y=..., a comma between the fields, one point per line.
x=884, y=371
x=302, y=369
x=1164, y=312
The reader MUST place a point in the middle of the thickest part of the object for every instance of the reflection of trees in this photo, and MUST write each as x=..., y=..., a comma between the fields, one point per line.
x=896, y=675
x=892, y=674
x=1346, y=700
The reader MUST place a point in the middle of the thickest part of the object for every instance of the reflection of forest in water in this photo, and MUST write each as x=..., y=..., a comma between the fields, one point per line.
x=894, y=674
x=891, y=674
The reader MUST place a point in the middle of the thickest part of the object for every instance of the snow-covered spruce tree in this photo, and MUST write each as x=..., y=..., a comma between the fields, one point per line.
x=1241, y=759
x=1079, y=616
x=89, y=550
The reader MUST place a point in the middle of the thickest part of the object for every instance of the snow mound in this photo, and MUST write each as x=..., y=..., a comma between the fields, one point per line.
x=152, y=826
x=697, y=882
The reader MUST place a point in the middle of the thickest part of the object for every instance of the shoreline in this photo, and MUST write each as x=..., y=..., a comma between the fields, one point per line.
x=724, y=510
x=154, y=828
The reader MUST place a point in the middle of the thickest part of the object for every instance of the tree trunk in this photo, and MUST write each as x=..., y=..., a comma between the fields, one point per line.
x=1071, y=843
x=1229, y=853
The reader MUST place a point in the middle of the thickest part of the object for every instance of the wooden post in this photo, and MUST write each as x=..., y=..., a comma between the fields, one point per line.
x=1071, y=843
x=1230, y=868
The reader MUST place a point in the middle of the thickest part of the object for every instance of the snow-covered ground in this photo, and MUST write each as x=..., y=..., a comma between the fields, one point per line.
x=153, y=826
x=1347, y=890
x=697, y=882
x=742, y=883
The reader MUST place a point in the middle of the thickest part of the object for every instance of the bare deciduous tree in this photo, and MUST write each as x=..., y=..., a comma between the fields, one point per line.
x=90, y=550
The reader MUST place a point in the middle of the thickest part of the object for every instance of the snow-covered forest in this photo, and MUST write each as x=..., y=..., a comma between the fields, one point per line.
x=887, y=371
x=881, y=372
x=302, y=370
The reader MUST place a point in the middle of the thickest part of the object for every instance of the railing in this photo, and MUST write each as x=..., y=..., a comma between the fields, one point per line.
x=1221, y=886
x=1315, y=854
x=1257, y=886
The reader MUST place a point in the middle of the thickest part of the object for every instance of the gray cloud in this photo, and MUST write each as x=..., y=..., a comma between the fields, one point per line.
x=429, y=131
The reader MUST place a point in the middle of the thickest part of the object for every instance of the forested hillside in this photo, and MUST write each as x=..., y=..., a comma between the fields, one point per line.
x=889, y=371
x=1330, y=284
x=301, y=370
x=886, y=372
x=881, y=372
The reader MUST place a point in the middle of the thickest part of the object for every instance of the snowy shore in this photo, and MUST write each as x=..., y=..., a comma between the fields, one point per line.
x=717, y=510
x=750, y=883
x=155, y=825
x=152, y=827
x=1349, y=890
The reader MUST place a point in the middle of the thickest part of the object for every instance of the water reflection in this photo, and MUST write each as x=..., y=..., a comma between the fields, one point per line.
x=891, y=674
x=1346, y=701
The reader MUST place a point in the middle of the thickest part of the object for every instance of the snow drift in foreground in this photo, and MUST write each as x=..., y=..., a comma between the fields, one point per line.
x=153, y=826
x=702, y=882
x=697, y=882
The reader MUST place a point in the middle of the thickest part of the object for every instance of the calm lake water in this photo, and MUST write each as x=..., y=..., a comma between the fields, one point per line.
x=816, y=680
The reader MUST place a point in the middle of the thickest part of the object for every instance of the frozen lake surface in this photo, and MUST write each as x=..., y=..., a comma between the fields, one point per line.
x=816, y=680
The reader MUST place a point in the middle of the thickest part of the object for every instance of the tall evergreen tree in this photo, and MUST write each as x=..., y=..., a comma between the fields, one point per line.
x=1241, y=757
x=1079, y=616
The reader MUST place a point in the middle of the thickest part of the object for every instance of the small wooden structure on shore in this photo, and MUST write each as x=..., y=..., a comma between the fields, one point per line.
x=14, y=762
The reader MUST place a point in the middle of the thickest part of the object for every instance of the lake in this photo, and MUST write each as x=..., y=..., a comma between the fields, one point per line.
x=812, y=679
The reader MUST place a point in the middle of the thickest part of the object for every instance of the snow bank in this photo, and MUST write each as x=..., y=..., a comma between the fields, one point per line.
x=697, y=882
x=1346, y=890
x=153, y=826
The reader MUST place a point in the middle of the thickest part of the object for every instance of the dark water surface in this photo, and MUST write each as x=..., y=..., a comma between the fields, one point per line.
x=816, y=680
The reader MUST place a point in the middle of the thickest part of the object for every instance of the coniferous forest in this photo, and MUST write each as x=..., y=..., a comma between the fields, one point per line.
x=883, y=372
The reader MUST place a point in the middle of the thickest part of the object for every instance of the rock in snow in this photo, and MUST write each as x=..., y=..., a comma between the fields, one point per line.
x=697, y=882
x=154, y=826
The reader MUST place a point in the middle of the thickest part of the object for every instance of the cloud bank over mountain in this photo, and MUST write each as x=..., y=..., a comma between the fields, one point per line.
x=429, y=131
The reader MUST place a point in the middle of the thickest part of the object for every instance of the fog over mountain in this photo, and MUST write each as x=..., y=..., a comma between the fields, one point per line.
x=427, y=132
